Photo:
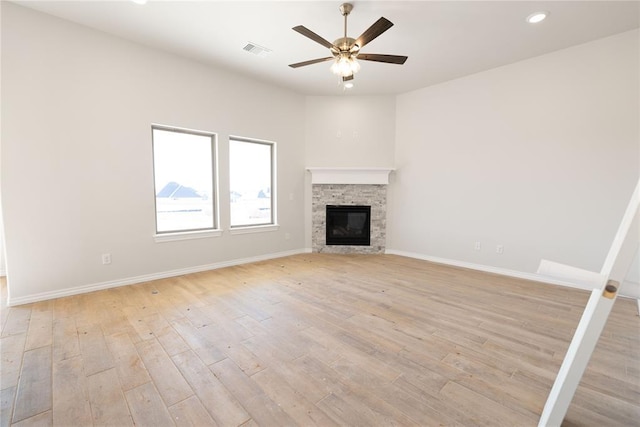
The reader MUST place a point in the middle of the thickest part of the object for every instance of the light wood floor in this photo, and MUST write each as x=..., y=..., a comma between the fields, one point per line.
x=317, y=339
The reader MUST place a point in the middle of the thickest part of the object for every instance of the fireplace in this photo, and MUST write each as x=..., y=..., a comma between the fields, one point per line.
x=348, y=225
x=349, y=187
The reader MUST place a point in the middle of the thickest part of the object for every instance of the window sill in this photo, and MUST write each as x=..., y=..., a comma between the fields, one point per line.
x=254, y=229
x=186, y=235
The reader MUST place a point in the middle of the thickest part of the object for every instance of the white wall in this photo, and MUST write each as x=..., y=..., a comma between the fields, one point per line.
x=350, y=131
x=77, y=181
x=347, y=131
x=540, y=156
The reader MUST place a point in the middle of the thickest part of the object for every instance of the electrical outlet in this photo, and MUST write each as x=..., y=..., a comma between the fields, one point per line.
x=478, y=246
x=499, y=249
x=106, y=259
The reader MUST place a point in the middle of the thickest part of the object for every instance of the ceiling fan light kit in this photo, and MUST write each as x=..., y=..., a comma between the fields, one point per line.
x=345, y=66
x=345, y=51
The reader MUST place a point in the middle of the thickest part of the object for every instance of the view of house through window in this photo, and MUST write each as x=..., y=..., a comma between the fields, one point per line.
x=251, y=182
x=183, y=163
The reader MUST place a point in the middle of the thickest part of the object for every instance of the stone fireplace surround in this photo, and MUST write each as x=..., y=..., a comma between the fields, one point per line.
x=349, y=186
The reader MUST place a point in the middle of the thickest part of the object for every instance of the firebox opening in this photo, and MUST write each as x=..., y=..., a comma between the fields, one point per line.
x=348, y=225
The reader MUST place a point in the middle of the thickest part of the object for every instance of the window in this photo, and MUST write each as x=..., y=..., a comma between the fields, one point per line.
x=252, y=182
x=183, y=168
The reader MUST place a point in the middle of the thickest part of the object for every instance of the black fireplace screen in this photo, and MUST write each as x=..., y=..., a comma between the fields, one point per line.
x=348, y=225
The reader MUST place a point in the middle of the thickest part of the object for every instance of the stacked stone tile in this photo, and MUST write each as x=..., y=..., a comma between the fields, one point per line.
x=349, y=194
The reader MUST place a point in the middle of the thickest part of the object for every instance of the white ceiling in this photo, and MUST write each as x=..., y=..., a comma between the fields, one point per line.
x=443, y=39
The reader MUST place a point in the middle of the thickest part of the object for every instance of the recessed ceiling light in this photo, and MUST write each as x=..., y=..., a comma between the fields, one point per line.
x=534, y=18
x=348, y=85
x=140, y=1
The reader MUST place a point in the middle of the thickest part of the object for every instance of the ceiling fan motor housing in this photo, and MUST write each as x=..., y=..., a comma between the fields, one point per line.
x=345, y=45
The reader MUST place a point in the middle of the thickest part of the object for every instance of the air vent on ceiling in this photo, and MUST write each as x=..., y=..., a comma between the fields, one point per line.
x=258, y=50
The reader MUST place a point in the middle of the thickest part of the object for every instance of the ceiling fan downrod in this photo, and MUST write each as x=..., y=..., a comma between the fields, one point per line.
x=345, y=10
x=345, y=45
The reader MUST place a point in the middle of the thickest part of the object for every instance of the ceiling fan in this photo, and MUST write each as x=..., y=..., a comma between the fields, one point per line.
x=345, y=51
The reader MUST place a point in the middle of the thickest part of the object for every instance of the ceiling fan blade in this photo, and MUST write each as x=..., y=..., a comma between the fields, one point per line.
x=389, y=59
x=312, y=61
x=378, y=27
x=313, y=36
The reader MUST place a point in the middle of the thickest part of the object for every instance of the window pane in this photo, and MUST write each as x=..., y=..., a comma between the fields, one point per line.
x=183, y=169
x=250, y=170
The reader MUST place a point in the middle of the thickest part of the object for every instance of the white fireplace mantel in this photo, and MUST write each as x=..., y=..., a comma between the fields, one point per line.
x=350, y=175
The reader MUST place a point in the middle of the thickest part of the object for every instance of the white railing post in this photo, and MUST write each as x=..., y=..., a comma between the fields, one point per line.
x=595, y=315
x=575, y=361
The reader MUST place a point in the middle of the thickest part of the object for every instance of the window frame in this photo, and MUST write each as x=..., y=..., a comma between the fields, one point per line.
x=273, y=224
x=195, y=233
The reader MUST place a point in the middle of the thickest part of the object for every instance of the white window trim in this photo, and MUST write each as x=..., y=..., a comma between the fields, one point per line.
x=186, y=235
x=247, y=229
x=169, y=236
x=272, y=226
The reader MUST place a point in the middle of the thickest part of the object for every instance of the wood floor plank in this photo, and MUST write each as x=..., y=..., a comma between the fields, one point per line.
x=108, y=405
x=34, y=394
x=146, y=406
x=342, y=413
x=66, y=307
x=95, y=353
x=293, y=373
x=477, y=367
x=293, y=347
x=191, y=413
x=172, y=342
x=423, y=412
x=7, y=399
x=293, y=402
x=118, y=324
x=135, y=317
x=607, y=406
x=131, y=371
x=66, y=343
x=221, y=404
x=204, y=347
x=485, y=411
x=248, y=362
x=259, y=406
x=17, y=321
x=170, y=383
x=11, y=352
x=39, y=333
x=71, y=397
x=43, y=419
x=525, y=399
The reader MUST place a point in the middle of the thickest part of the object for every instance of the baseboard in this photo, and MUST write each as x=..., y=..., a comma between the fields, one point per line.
x=144, y=278
x=628, y=289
